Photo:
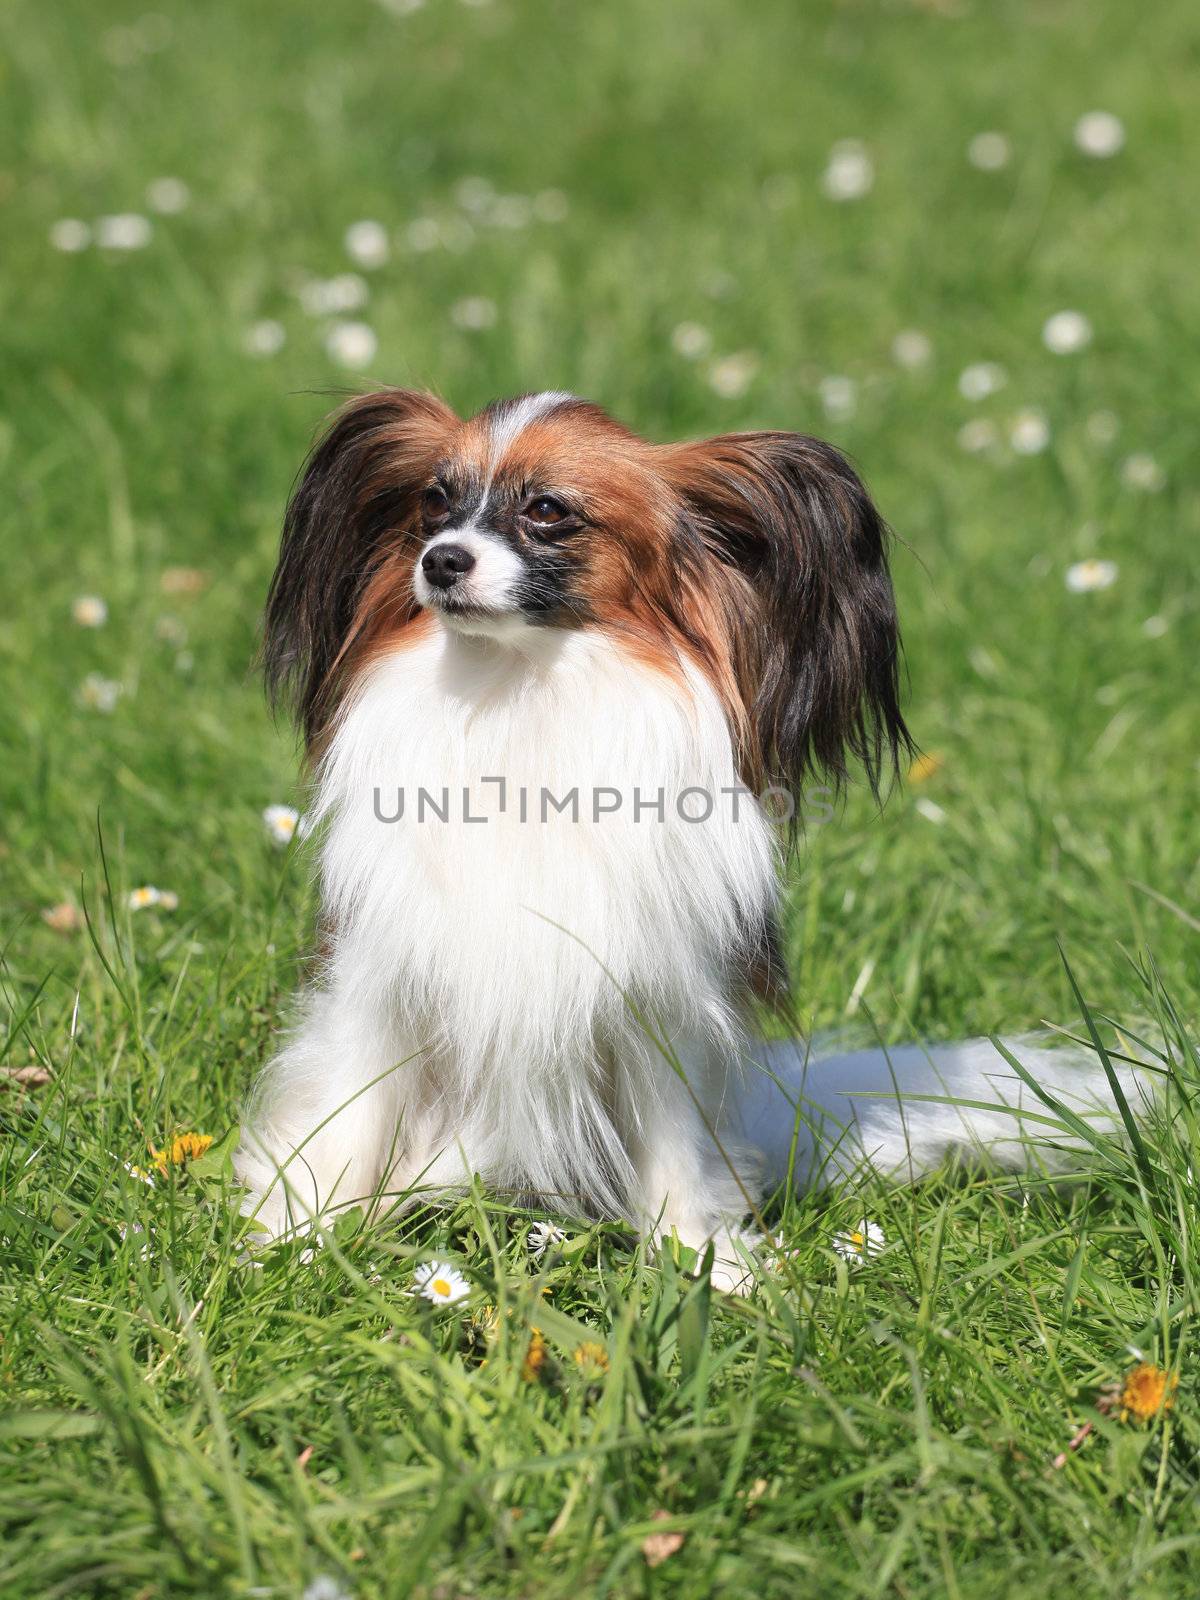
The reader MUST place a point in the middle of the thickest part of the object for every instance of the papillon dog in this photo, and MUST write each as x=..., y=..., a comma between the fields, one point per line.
x=562, y=691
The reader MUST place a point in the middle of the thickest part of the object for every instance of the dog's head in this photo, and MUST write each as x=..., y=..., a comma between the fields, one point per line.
x=757, y=558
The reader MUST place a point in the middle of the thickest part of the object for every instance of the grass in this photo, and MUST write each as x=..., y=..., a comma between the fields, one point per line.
x=181, y=1423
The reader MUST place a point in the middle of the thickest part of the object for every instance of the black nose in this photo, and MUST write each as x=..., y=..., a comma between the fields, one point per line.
x=445, y=564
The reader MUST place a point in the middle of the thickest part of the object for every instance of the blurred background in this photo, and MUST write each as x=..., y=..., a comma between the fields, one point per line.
x=953, y=237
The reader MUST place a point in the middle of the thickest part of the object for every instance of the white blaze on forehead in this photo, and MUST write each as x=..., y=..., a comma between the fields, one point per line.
x=507, y=424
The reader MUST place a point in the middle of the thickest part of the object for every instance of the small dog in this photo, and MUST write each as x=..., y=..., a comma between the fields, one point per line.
x=557, y=686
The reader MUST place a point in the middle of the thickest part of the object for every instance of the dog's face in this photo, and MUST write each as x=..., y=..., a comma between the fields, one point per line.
x=757, y=558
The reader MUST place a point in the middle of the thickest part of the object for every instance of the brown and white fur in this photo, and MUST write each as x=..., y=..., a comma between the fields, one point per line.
x=557, y=1001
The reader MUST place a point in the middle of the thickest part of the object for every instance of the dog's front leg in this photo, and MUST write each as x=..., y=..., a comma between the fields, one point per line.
x=322, y=1133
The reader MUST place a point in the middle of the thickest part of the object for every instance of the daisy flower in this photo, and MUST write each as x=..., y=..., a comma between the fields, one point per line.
x=856, y=1244
x=541, y=1236
x=98, y=693
x=981, y=379
x=135, y=1230
x=1086, y=576
x=70, y=235
x=125, y=231
x=330, y=297
x=168, y=196
x=442, y=1284
x=351, y=344
x=732, y=375
x=264, y=338
x=1154, y=627
x=1029, y=433
x=1099, y=134
x=849, y=173
x=184, y=1147
x=367, y=243
x=911, y=348
x=474, y=313
x=977, y=436
x=284, y=823
x=1066, y=333
x=989, y=152
x=838, y=396
x=691, y=341
x=1143, y=472
x=145, y=897
x=89, y=611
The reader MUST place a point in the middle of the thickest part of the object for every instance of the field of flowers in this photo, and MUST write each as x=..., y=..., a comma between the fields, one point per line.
x=954, y=238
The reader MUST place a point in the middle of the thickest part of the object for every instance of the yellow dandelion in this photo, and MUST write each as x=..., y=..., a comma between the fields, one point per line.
x=184, y=1147
x=925, y=766
x=1146, y=1390
x=591, y=1358
x=535, y=1357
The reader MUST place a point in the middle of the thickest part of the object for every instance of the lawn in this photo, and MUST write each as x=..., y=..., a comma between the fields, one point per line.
x=707, y=217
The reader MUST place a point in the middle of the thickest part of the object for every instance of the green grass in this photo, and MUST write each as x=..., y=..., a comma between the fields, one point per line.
x=187, y=1424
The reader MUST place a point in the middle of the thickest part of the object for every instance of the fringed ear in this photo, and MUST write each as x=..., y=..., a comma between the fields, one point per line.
x=356, y=498
x=813, y=605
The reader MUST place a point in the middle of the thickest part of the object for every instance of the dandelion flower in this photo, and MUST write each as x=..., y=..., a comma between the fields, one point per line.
x=856, y=1244
x=1086, y=576
x=925, y=766
x=591, y=1358
x=367, y=243
x=977, y=436
x=1143, y=472
x=474, y=313
x=127, y=230
x=1066, y=333
x=1143, y=1394
x=145, y=897
x=63, y=918
x=981, y=379
x=838, y=396
x=168, y=196
x=283, y=823
x=731, y=376
x=535, y=1357
x=1099, y=134
x=264, y=338
x=691, y=341
x=184, y=1147
x=911, y=348
x=89, y=611
x=543, y=1235
x=70, y=235
x=989, y=152
x=1029, y=433
x=98, y=693
x=351, y=344
x=849, y=173
x=442, y=1284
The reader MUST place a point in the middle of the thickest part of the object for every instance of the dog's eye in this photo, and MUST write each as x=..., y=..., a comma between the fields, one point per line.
x=546, y=512
x=435, y=503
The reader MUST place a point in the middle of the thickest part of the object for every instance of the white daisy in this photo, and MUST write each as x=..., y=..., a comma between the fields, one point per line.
x=542, y=1235
x=442, y=1284
x=732, y=375
x=691, y=340
x=977, y=436
x=330, y=297
x=911, y=348
x=264, y=338
x=325, y=1587
x=145, y=897
x=838, y=396
x=89, y=611
x=98, y=693
x=1086, y=576
x=1066, y=332
x=127, y=230
x=70, y=235
x=474, y=313
x=137, y=1232
x=849, y=173
x=1029, y=433
x=1099, y=134
x=367, y=243
x=283, y=824
x=139, y=1173
x=551, y=205
x=1143, y=472
x=856, y=1244
x=989, y=152
x=168, y=196
x=1154, y=627
x=981, y=379
x=351, y=344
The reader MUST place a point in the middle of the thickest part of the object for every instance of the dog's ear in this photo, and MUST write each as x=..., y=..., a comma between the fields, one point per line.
x=357, y=497
x=792, y=524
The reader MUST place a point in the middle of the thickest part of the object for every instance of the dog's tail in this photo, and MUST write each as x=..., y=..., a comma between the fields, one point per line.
x=1018, y=1104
